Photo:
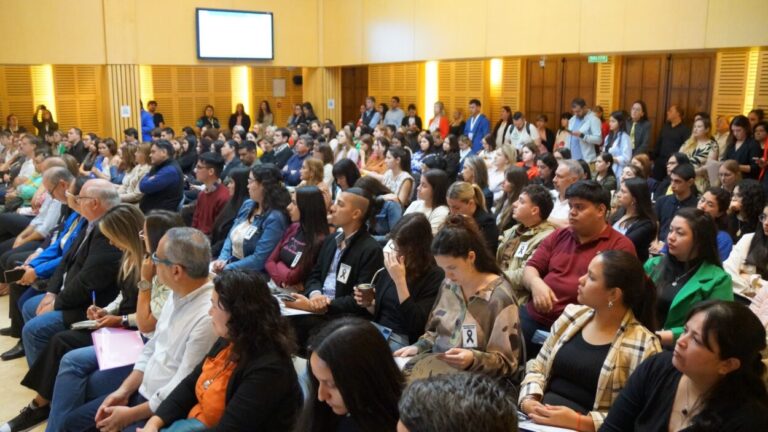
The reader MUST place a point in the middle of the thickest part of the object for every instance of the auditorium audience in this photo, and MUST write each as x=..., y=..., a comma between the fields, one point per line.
x=683, y=195
x=237, y=185
x=531, y=210
x=528, y=160
x=547, y=166
x=701, y=148
x=672, y=135
x=120, y=225
x=240, y=118
x=345, y=174
x=135, y=161
x=259, y=225
x=639, y=128
x=477, y=127
x=499, y=132
x=635, y=217
x=398, y=176
x=568, y=172
x=713, y=380
x=475, y=172
x=503, y=158
x=292, y=168
x=515, y=180
x=163, y=186
x=604, y=171
x=404, y=295
x=385, y=213
x=292, y=259
x=584, y=131
x=252, y=354
x=618, y=143
x=467, y=199
x=689, y=273
x=594, y=347
x=355, y=383
x=552, y=273
x=715, y=203
x=474, y=323
x=743, y=148
x=663, y=187
x=207, y=120
x=456, y=403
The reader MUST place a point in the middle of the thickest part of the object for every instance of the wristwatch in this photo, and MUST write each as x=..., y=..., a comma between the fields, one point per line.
x=124, y=322
x=144, y=286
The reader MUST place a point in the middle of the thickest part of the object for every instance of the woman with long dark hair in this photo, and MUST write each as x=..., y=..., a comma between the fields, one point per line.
x=227, y=390
x=265, y=116
x=405, y=294
x=290, y=262
x=398, y=176
x=714, y=201
x=515, y=179
x=431, y=194
x=451, y=156
x=240, y=118
x=635, y=217
x=747, y=202
x=475, y=308
x=547, y=165
x=689, y=273
x=618, y=143
x=345, y=175
x=237, y=183
x=568, y=384
x=748, y=262
x=260, y=223
x=208, y=120
x=385, y=213
x=475, y=172
x=742, y=148
x=308, y=112
x=502, y=126
x=604, y=173
x=712, y=381
x=188, y=154
x=355, y=383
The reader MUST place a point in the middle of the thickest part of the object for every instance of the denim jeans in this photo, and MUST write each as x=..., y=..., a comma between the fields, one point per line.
x=79, y=381
x=38, y=330
x=83, y=418
x=186, y=425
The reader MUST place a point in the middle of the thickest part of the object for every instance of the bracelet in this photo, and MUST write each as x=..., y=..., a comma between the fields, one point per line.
x=578, y=421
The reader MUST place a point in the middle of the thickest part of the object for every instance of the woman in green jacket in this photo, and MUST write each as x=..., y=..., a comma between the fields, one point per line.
x=690, y=273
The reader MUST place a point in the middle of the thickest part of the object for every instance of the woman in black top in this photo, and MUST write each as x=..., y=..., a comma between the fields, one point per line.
x=308, y=112
x=406, y=292
x=188, y=157
x=238, y=192
x=261, y=390
x=451, y=156
x=746, y=205
x=457, y=124
x=742, y=148
x=355, y=383
x=467, y=199
x=241, y=118
x=635, y=217
x=711, y=382
x=207, y=120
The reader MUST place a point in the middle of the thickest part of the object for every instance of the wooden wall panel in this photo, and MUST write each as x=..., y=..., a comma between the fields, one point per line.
x=261, y=89
x=509, y=92
x=761, y=81
x=690, y=82
x=645, y=78
x=461, y=81
x=605, y=86
x=354, y=89
x=578, y=81
x=123, y=89
x=398, y=79
x=321, y=85
x=79, y=95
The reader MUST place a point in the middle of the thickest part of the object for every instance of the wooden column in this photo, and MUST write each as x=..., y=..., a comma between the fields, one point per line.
x=123, y=90
x=320, y=86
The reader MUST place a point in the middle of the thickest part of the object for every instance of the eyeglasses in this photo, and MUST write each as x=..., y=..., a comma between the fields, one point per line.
x=53, y=189
x=157, y=260
x=78, y=198
x=762, y=218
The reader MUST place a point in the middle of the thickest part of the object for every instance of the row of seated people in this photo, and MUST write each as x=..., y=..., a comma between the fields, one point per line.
x=269, y=198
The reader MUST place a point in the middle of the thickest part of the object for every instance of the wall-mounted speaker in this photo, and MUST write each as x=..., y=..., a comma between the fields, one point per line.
x=298, y=80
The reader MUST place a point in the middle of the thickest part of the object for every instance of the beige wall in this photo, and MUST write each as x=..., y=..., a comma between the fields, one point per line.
x=381, y=31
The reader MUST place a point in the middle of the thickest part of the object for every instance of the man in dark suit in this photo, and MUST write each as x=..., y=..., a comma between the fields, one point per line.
x=74, y=144
x=87, y=275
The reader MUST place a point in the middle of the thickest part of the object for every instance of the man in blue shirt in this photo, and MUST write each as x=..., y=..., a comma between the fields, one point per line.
x=371, y=117
x=292, y=169
x=147, y=124
x=163, y=186
x=585, y=132
x=477, y=126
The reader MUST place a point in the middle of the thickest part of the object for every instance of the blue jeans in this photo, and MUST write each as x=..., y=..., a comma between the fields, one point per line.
x=38, y=330
x=83, y=418
x=186, y=425
x=79, y=381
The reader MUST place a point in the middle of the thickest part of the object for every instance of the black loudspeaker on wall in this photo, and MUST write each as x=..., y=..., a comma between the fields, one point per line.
x=298, y=80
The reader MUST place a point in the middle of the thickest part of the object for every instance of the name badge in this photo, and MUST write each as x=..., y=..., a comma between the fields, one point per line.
x=250, y=232
x=470, y=135
x=344, y=271
x=296, y=259
x=469, y=335
x=520, y=253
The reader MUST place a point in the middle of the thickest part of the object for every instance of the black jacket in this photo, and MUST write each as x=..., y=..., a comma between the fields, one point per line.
x=169, y=197
x=364, y=257
x=642, y=233
x=487, y=224
x=78, y=151
x=262, y=395
x=246, y=123
x=416, y=122
x=92, y=268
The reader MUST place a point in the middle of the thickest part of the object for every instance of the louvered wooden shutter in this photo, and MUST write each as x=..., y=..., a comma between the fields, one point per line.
x=605, y=86
x=399, y=79
x=761, y=81
x=459, y=82
x=261, y=89
x=16, y=97
x=79, y=97
x=730, y=78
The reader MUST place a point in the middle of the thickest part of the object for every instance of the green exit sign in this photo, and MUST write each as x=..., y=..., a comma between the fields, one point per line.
x=597, y=59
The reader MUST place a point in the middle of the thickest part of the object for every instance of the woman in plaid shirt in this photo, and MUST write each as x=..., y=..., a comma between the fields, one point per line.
x=593, y=347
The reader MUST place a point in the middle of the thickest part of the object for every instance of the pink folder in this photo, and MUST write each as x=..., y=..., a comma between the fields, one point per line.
x=116, y=347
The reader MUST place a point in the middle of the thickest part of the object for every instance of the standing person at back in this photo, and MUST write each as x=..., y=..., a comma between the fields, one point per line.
x=163, y=186
x=395, y=114
x=585, y=130
x=673, y=134
x=157, y=117
x=522, y=133
x=478, y=126
x=552, y=273
x=639, y=128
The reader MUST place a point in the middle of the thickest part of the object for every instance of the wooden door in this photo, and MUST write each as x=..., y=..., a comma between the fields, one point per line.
x=354, y=90
x=690, y=83
x=543, y=90
x=645, y=78
x=579, y=79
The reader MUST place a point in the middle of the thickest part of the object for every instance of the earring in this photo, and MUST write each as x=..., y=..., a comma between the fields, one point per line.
x=610, y=304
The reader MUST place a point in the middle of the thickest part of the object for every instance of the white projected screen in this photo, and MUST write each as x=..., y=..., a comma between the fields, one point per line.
x=234, y=35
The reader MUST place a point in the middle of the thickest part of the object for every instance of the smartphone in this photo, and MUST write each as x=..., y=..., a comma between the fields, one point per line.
x=15, y=275
x=285, y=297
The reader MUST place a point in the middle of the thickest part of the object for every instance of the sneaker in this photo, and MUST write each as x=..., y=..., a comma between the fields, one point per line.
x=29, y=417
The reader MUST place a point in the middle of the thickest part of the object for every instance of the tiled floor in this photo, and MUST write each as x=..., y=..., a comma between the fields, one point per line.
x=13, y=396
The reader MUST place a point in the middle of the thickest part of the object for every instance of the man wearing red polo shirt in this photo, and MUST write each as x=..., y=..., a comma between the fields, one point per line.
x=552, y=274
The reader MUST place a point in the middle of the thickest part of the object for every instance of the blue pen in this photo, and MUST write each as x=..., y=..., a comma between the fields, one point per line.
x=93, y=297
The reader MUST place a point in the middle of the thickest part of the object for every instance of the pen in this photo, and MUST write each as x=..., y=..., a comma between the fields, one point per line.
x=93, y=297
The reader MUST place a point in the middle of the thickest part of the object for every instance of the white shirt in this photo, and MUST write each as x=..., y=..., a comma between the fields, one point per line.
x=495, y=182
x=27, y=168
x=561, y=208
x=436, y=217
x=183, y=336
x=394, y=117
x=518, y=138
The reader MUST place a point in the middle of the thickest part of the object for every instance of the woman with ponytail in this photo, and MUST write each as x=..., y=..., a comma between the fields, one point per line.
x=474, y=324
x=593, y=347
x=469, y=200
x=712, y=381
